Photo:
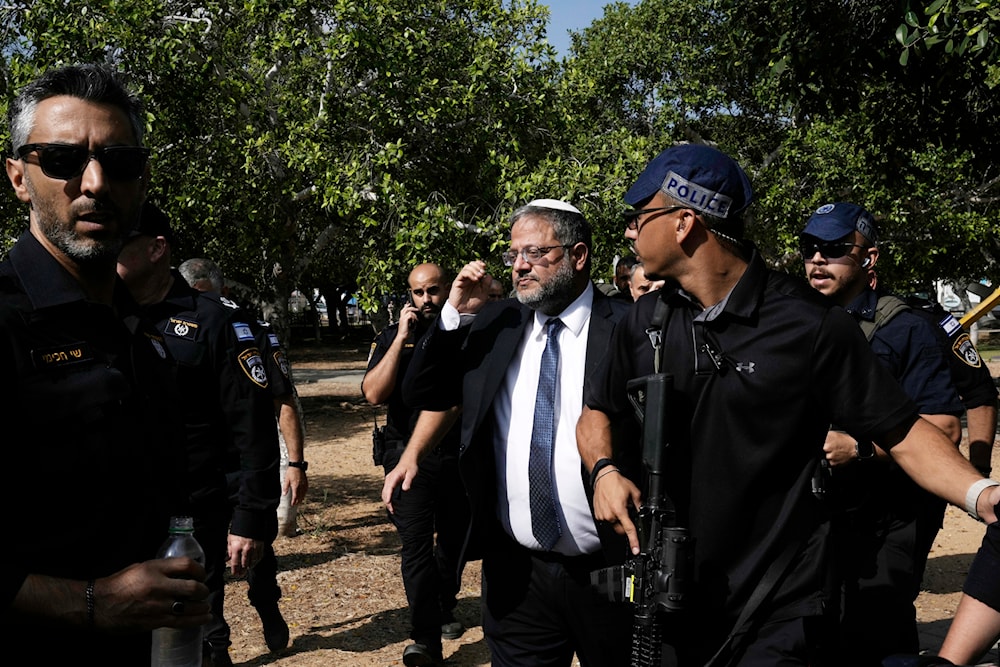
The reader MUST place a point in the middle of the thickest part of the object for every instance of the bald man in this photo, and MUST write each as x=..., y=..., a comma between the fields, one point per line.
x=435, y=500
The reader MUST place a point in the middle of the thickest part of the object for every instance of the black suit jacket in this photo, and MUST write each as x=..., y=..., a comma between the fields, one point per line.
x=466, y=367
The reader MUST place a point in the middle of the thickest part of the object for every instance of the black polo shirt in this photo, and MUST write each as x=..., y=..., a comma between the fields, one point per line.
x=401, y=417
x=756, y=386
x=91, y=476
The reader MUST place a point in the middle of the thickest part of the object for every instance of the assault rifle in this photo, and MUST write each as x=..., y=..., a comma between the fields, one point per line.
x=655, y=580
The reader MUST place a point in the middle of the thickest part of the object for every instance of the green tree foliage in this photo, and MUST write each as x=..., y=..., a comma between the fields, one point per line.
x=811, y=98
x=332, y=142
x=913, y=143
x=312, y=143
x=644, y=77
x=966, y=29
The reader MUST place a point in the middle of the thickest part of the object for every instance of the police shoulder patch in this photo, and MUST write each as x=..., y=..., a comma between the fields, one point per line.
x=253, y=365
x=966, y=351
x=181, y=328
x=282, y=362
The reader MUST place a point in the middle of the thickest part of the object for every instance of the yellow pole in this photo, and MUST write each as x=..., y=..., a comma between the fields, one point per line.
x=985, y=306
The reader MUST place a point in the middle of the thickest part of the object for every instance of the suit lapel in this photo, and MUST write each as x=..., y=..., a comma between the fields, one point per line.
x=505, y=346
x=601, y=328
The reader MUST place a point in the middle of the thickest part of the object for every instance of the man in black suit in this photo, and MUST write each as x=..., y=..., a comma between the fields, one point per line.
x=518, y=367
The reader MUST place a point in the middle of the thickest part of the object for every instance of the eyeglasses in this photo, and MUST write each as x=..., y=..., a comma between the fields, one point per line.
x=632, y=217
x=832, y=250
x=67, y=161
x=530, y=254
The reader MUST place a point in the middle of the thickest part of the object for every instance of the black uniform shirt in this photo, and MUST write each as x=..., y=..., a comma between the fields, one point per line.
x=971, y=376
x=400, y=417
x=279, y=371
x=89, y=474
x=756, y=388
x=226, y=402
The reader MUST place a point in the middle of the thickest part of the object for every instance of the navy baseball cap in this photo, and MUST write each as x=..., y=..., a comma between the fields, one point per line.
x=835, y=221
x=702, y=177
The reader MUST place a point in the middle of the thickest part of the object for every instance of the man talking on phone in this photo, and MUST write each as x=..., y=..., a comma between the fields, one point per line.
x=435, y=499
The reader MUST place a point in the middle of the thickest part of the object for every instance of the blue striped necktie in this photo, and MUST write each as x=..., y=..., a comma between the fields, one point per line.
x=541, y=489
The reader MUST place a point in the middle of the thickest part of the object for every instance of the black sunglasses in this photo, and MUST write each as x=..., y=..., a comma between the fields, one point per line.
x=632, y=217
x=67, y=161
x=830, y=250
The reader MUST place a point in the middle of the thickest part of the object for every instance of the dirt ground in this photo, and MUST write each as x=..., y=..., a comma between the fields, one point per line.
x=343, y=597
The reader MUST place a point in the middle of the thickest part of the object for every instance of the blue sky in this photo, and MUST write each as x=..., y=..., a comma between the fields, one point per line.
x=572, y=15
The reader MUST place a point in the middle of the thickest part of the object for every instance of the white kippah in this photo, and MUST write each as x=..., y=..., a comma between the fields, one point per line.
x=557, y=204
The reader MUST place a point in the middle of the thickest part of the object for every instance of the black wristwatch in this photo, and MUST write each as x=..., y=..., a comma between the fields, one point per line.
x=301, y=465
x=601, y=463
x=864, y=450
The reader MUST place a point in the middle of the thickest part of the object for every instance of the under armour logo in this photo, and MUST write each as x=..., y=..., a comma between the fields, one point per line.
x=747, y=366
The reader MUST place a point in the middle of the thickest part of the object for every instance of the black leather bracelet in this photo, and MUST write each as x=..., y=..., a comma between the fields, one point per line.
x=90, y=603
x=601, y=463
x=301, y=465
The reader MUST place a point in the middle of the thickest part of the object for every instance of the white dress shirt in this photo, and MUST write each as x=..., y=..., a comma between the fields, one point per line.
x=514, y=420
x=514, y=409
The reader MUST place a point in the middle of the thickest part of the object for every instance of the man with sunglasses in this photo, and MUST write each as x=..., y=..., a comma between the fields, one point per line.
x=760, y=366
x=893, y=522
x=433, y=502
x=83, y=378
x=517, y=368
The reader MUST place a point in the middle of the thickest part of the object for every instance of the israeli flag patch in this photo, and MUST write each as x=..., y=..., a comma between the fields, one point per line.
x=243, y=331
x=950, y=325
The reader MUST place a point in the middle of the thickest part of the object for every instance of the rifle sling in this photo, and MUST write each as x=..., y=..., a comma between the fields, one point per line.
x=775, y=572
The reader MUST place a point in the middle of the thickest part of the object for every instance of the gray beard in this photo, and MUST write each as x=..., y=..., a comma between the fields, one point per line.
x=554, y=296
x=81, y=252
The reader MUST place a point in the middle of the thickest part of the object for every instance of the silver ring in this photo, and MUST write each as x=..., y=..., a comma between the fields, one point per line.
x=177, y=607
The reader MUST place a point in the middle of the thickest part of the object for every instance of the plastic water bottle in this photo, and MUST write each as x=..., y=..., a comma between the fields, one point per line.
x=179, y=647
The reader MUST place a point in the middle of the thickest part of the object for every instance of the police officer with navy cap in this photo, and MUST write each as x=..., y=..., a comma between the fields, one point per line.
x=892, y=523
x=761, y=365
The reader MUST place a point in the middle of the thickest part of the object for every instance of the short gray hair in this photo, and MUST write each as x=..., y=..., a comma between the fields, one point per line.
x=90, y=82
x=199, y=268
